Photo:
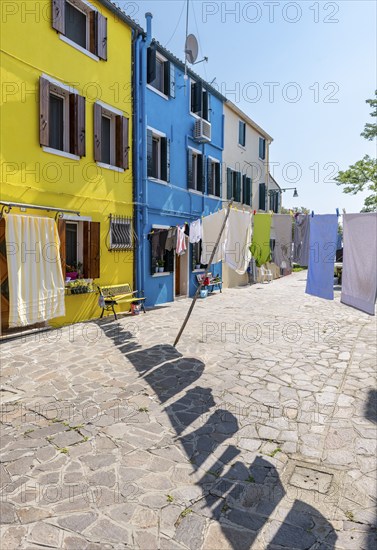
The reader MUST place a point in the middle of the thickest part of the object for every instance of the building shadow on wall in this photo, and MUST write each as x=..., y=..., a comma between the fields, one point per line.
x=240, y=497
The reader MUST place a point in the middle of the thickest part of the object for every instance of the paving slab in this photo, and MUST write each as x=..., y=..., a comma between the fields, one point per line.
x=257, y=432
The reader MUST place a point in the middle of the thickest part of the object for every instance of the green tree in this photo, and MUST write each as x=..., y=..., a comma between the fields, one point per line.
x=363, y=174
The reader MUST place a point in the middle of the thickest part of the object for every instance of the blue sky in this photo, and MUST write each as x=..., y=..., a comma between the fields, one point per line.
x=301, y=70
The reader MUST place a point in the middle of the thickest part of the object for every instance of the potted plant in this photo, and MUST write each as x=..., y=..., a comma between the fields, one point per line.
x=161, y=264
x=71, y=272
x=197, y=266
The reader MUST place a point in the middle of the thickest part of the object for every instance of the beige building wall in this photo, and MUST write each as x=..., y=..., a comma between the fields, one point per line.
x=244, y=159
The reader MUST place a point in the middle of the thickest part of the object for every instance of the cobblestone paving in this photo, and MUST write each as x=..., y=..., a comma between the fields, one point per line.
x=258, y=431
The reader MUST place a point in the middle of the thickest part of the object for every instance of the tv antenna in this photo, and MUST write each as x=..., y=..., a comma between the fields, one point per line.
x=191, y=46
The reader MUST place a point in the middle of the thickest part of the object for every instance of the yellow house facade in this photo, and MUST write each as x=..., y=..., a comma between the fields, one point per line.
x=66, y=138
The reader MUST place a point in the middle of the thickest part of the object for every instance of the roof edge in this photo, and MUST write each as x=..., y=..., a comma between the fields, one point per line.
x=249, y=120
x=121, y=14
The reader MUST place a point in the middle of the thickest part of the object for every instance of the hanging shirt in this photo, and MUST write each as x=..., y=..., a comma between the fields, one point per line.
x=181, y=241
x=301, y=240
x=158, y=242
x=237, y=249
x=282, y=255
x=260, y=247
x=171, y=240
x=211, y=228
x=359, y=277
x=195, y=231
x=323, y=238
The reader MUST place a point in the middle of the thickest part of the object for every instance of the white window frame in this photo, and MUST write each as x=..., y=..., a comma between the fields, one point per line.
x=80, y=239
x=159, y=135
x=84, y=8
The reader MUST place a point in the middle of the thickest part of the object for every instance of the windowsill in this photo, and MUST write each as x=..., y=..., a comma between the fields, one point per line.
x=155, y=180
x=214, y=197
x=262, y=159
x=195, y=192
x=195, y=115
x=164, y=274
x=60, y=153
x=243, y=147
x=201, y=270
x=158, y=92
x=110, y=167
x=77, y=47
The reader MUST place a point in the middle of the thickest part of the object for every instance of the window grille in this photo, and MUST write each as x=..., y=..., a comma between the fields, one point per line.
x=121, y=233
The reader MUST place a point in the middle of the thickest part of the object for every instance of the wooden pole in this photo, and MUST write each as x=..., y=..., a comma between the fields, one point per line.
x=204, y=276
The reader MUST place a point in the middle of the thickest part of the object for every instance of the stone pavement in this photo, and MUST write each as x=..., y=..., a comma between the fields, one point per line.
x=258, y=431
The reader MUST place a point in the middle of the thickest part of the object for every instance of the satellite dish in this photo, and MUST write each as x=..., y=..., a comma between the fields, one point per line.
x=191, y=49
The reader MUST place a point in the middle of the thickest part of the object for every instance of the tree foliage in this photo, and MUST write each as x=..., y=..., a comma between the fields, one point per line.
x=363, y=174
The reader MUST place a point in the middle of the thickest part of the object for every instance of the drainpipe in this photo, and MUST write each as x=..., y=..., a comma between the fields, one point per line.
x=143, y=44
x=268, y=173
x=136, y=165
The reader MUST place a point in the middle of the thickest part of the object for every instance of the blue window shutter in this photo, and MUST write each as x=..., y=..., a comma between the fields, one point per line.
x=149, y=153
x=151, y=63
x=189, y=169
x=172, y=80
x=210, y=176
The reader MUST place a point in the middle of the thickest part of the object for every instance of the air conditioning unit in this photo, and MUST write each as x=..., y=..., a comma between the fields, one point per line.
x=202, y=130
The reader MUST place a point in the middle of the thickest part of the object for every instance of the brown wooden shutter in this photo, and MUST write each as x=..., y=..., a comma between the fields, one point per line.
x=62, y=233
x=92, y=250
x=97, y=132
x=93, y=32
x=101, y=36
x=58, y=15
x=44, y=108
x=77, y=124
x=122, y=148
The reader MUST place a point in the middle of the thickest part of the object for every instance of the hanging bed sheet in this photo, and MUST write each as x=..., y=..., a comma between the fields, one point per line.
x=36, y=284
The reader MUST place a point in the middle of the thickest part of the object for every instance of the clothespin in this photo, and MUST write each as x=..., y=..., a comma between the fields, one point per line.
x=337, y=212
x=254, y=212
x=312, y=213
x=344, y=211
x=291, y=213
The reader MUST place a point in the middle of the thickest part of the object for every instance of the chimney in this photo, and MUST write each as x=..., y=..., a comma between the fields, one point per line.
x=148, y=17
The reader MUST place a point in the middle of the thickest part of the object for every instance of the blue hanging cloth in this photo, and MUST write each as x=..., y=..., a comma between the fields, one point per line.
x=322, y=247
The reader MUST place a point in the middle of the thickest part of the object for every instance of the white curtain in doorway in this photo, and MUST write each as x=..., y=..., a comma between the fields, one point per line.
x=35, y=278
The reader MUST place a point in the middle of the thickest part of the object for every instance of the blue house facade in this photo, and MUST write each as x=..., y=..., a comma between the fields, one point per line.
x=179, y=140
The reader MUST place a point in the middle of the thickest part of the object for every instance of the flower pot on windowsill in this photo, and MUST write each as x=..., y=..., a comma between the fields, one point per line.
x=160, y=269
x=197, y=266
x=72, y=275
x=156, y=269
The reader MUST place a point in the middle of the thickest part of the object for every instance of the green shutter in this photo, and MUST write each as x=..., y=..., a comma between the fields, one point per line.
x=262, y=196
x=229, y=184
x=244, y=190
x=238, y=187
x=165, y=159
x=200, y=179
x=172, y=81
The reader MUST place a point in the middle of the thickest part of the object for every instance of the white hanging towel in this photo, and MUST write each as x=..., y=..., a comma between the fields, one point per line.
x=35, y=277
x=181, y=241
x=359, y=277
x=195, y=231
x=237, y=250
x=211, y=227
